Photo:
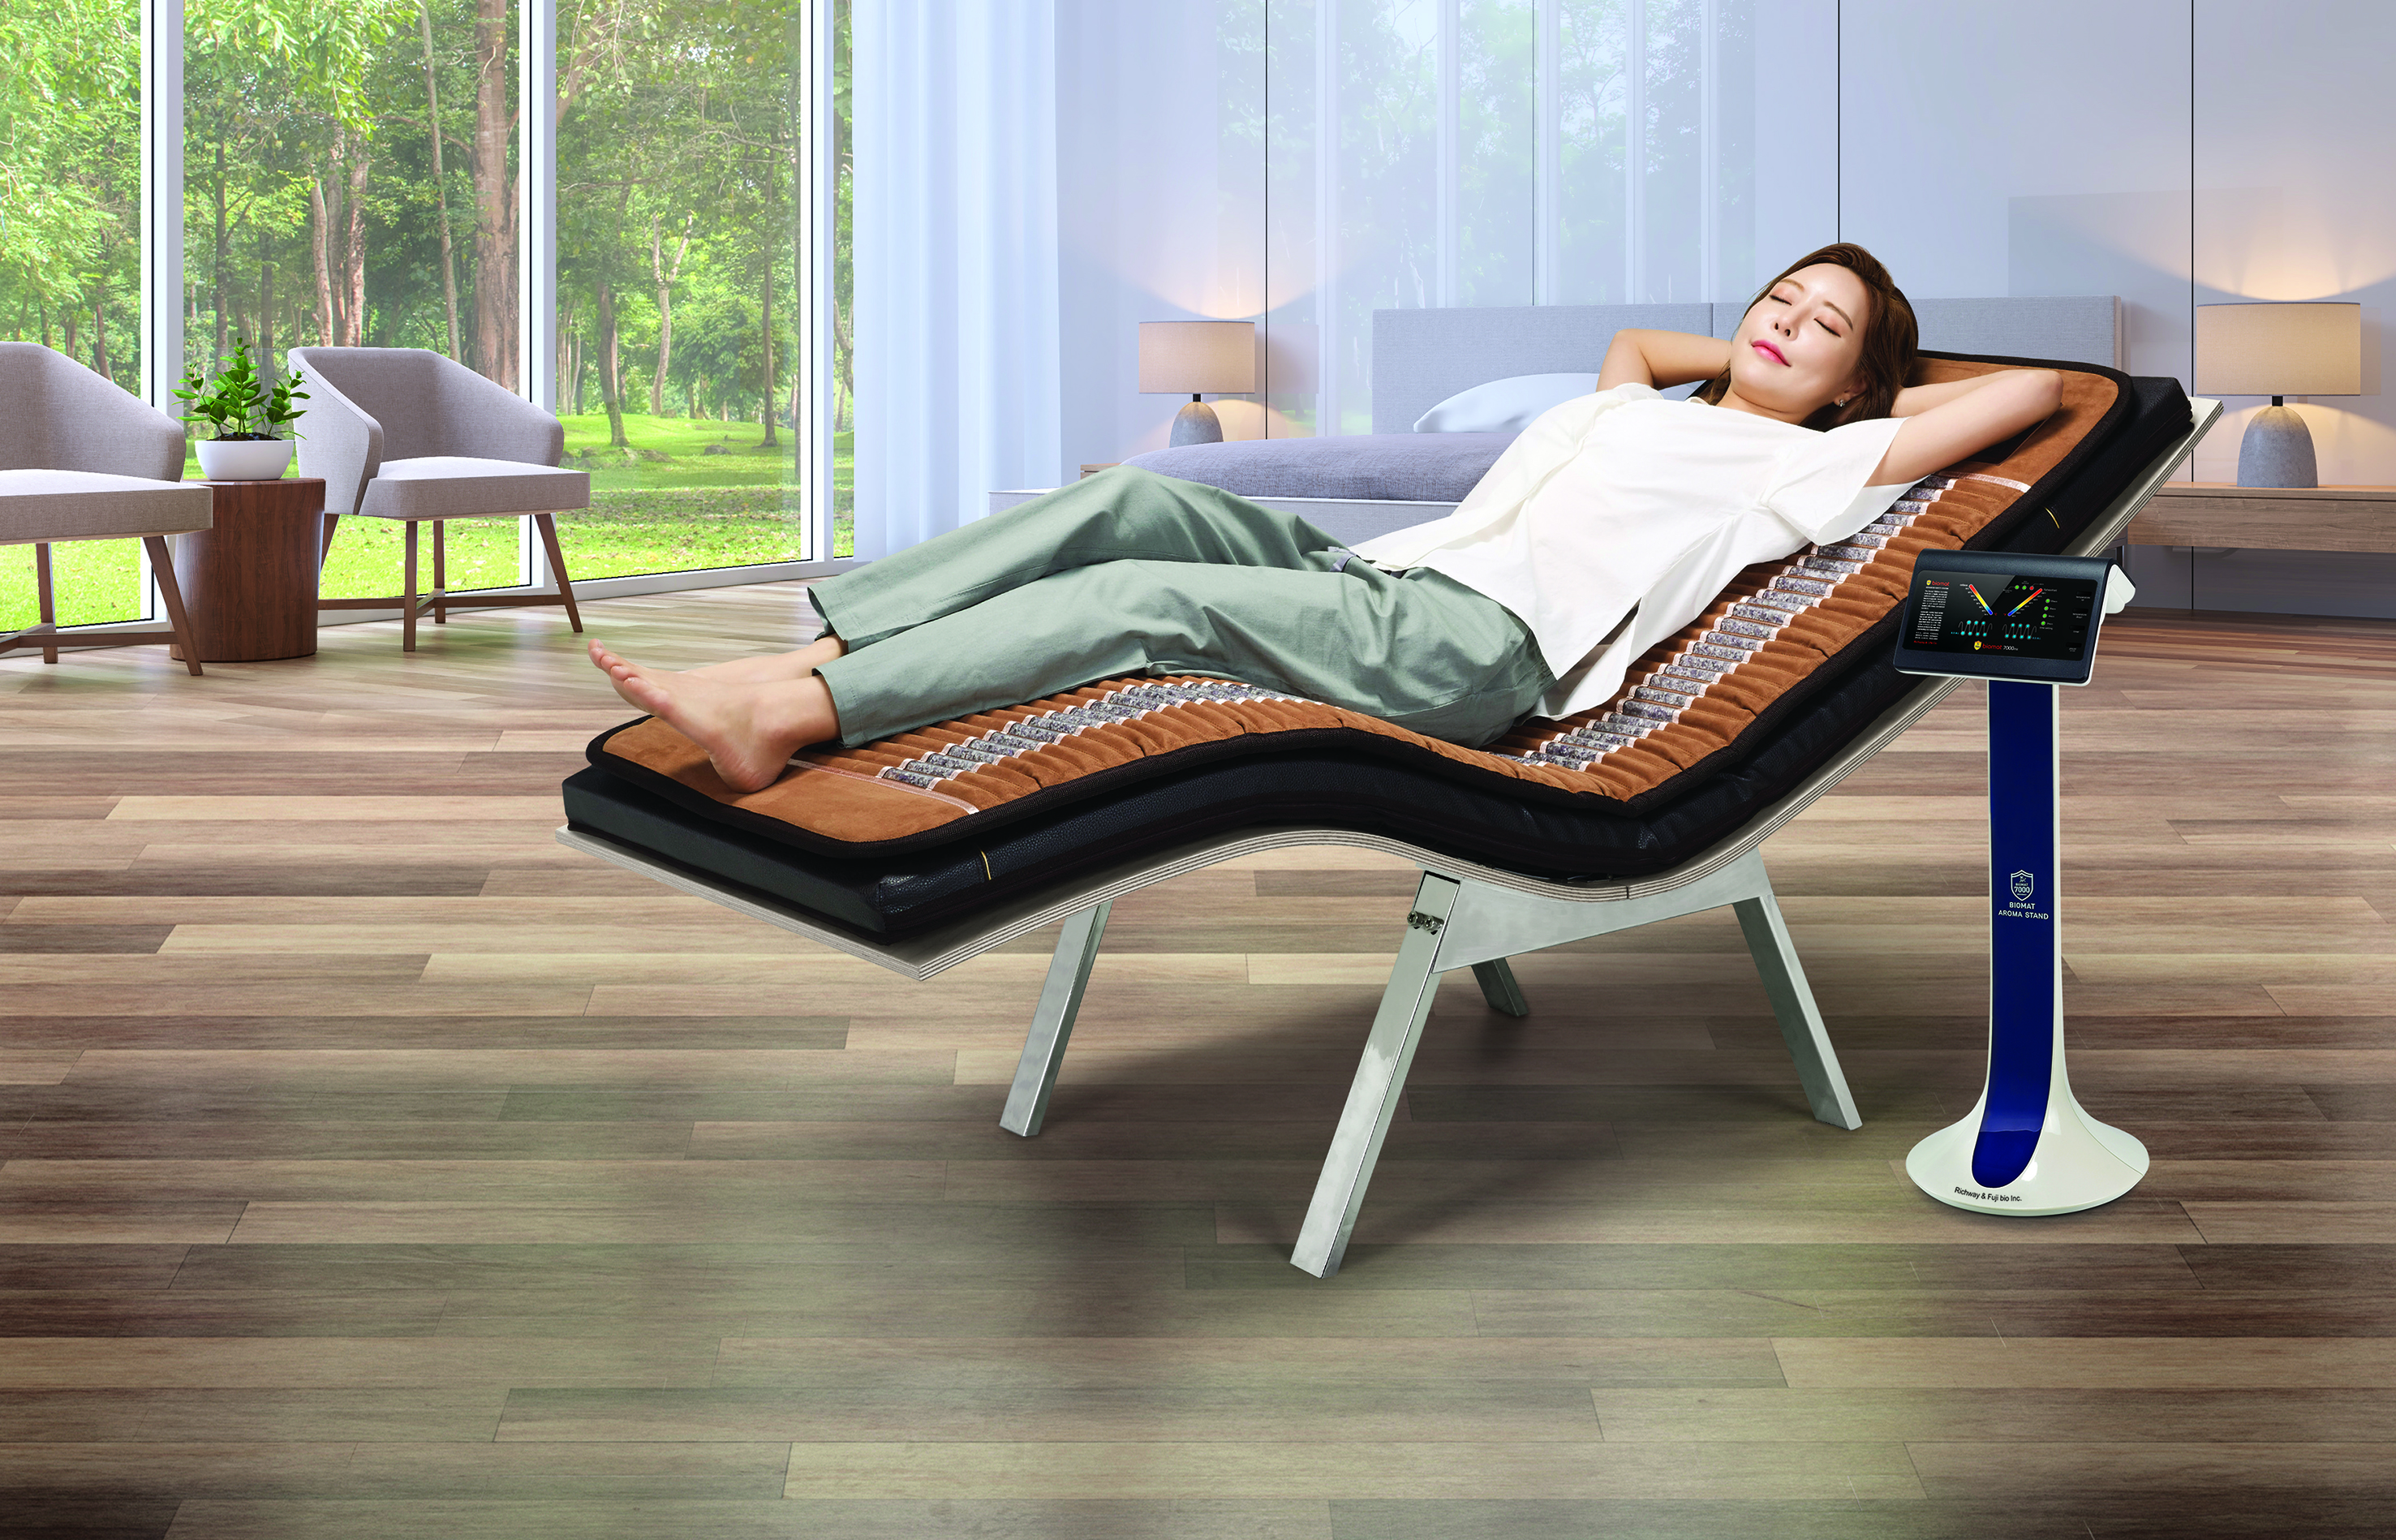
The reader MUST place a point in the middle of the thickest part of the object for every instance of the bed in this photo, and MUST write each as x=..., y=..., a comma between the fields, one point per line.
x=1364, y=484
x=930, y=848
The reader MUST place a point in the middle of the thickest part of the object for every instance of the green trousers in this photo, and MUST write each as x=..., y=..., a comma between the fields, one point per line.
x=1130, y=572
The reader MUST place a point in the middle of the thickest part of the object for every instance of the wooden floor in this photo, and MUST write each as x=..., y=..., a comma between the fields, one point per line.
x=373, y=1168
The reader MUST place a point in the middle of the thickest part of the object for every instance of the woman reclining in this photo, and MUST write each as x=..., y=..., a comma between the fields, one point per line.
x=1608, y=525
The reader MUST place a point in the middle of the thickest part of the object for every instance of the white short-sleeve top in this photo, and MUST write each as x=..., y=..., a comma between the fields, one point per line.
x=1623, y=502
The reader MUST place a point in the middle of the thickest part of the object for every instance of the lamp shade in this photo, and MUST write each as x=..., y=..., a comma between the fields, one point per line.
x=1197, y=357
x=2304, y=350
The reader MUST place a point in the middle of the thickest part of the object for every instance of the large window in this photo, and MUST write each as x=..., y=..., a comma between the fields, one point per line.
x=680, y=378
x=349, y=180
x=1492, y=152
x=70, y=242
x=353, y=173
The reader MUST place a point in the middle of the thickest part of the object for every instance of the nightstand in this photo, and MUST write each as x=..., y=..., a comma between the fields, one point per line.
x=2269, y=518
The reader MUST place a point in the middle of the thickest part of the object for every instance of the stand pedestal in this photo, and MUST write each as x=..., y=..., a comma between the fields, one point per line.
x=2027, y=1147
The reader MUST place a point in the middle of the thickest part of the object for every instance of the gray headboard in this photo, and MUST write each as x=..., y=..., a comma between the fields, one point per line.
x=1422, y=357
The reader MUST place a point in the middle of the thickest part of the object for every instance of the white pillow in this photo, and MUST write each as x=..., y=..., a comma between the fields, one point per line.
x=1503, y=406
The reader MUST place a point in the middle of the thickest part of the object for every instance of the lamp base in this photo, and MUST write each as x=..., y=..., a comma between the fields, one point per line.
x=2277, y=451
x=1196, y=424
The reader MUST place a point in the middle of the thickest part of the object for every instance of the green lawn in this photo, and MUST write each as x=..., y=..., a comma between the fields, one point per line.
x=670, y=506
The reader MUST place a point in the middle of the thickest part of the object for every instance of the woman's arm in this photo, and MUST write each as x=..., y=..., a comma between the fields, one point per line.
x=1951, y=422
x=1663, y=359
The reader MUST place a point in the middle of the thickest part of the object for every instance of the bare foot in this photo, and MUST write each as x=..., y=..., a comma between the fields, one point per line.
x=617, y=670
x=749, y=731
x=763, y=670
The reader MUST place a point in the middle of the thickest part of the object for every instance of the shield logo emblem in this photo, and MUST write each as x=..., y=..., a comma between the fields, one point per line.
x=2024, y=885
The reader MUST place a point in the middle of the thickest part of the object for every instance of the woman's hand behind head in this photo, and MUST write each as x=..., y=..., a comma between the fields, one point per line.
x=1947, y=423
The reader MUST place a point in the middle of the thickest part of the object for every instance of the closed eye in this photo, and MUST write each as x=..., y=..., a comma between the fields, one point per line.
x=1818, y=319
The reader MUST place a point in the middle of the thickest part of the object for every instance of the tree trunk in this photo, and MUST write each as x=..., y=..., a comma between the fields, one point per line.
x=843, y=358
x=440, y=184
x=665, y=277
x=319, y=219
x=561, y=364
x=354, y=255
x=99, y=333
x=611, y=372
x=495, y=200
x=266, y=311
x=766, y=325
x=800, y=426
x=217, y=272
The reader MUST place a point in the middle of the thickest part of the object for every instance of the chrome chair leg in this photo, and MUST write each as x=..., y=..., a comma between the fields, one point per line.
x=1380, y=1081
x=1471, y=923
x=1052, y=1022
x=1793, y=1003
x=1499, y=988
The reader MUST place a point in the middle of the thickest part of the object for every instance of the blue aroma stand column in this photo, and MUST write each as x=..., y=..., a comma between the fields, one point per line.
x=2026, y=624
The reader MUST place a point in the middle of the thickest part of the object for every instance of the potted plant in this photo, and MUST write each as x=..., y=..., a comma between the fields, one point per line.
x=246, y=413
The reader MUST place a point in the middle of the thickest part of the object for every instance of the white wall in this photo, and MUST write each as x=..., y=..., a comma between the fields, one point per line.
x=2294, y=129
x=2070, y=177
x=1797, y=139
x=1159, y=192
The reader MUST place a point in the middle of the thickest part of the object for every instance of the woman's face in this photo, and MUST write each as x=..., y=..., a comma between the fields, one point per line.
x=1798, y=346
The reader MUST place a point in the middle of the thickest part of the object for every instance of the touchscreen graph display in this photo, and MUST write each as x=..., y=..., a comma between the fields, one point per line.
x=1996, y=613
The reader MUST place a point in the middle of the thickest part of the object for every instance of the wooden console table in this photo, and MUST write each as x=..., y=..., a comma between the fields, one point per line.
x=249, y=583
x=2269, y=518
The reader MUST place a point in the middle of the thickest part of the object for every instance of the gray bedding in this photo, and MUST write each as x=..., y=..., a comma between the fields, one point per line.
x=1366, y=467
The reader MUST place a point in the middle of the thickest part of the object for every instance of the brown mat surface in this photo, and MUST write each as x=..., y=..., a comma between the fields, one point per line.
x=1696, y=699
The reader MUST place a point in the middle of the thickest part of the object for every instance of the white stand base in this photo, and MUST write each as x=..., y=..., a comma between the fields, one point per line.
x=2072, y=1162
x=2080, y=1163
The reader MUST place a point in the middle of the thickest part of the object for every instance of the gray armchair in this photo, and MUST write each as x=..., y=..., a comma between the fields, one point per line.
x=81, y=459
x=405, y=433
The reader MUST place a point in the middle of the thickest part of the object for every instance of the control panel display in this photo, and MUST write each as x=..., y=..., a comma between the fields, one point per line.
x=2003, y=615
x=2000, y=613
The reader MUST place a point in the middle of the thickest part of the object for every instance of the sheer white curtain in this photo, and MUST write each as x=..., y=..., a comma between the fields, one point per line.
x=955, y=279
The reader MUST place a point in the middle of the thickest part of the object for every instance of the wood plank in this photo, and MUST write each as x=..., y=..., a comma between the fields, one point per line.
x=357, y=1363
x=779, y=1519
x=1445, y=1469
x=2121, y=1363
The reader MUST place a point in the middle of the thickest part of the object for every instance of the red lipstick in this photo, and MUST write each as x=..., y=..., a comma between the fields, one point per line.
x=1768, y=348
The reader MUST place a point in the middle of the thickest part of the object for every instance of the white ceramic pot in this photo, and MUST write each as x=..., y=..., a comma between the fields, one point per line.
x=244, y=460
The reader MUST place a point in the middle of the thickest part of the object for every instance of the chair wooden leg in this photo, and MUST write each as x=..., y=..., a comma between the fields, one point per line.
x=407, y=598
x=547, y=525
x=324, y=548
x=48, y=597
x=161, y=566
x=440, y=573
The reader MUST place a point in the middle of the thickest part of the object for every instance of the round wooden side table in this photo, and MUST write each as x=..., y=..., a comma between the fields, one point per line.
x=249, y=583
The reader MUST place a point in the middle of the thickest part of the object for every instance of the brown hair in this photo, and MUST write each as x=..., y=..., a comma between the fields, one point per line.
x=1890, y=337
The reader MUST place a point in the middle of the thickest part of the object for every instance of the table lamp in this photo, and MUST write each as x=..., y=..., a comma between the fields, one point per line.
x=1198, y=357
x=2279, y=350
